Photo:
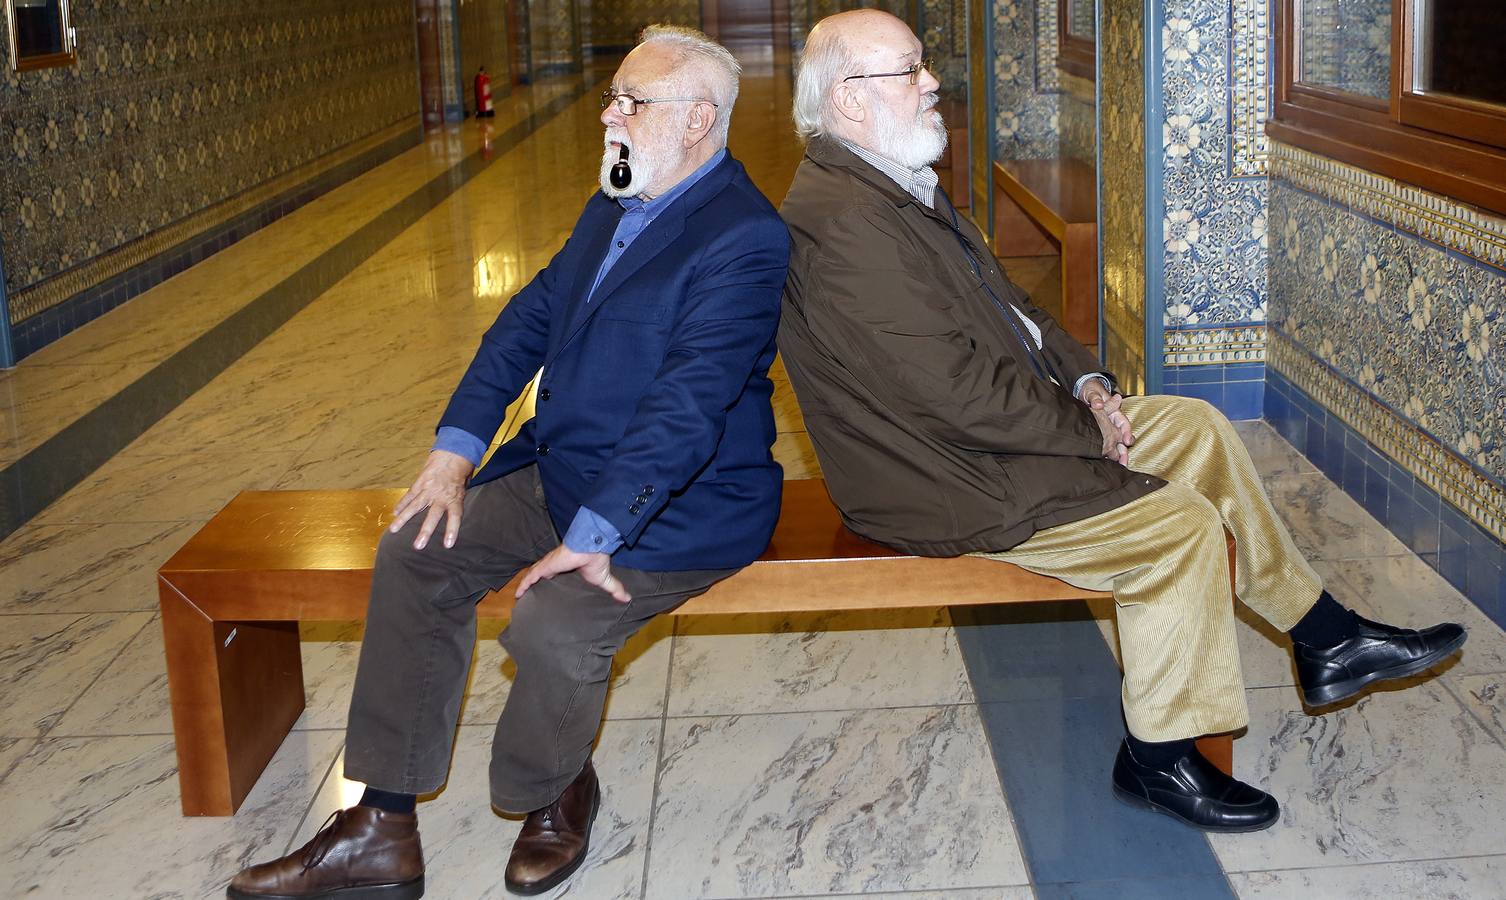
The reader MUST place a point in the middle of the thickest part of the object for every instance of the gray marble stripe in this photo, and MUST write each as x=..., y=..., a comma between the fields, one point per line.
x=51, y=469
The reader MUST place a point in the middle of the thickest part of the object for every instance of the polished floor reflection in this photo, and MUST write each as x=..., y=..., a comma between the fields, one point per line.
x=854, y=755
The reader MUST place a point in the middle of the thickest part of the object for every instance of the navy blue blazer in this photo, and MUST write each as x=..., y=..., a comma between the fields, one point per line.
x=653, y=409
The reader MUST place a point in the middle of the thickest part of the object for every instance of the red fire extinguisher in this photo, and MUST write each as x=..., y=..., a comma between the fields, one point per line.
x=484, y=108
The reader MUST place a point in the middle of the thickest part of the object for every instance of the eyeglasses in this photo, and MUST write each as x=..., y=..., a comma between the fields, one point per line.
x=912, y=73
x=628, y=105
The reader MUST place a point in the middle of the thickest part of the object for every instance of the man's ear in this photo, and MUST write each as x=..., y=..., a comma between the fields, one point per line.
x=699, y=123
x=848, y=101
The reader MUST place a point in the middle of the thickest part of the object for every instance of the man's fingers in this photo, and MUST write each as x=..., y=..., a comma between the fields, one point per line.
x=614, y=586
x=430, y=522
x=530, y=578
x=403, y=511
x=452, y=523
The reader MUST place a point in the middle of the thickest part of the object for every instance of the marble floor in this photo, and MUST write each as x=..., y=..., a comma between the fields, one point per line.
x=852, y=755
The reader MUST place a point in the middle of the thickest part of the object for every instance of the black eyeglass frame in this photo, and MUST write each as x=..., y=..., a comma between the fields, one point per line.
x=913, y=73
x=608, y=98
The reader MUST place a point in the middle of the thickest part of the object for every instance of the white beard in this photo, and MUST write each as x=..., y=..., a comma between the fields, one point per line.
x=914, y=144
x=645, y=160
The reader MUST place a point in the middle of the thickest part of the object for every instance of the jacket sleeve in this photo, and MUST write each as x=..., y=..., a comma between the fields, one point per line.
x=511, y=352
x=872, y=299
x=727, y=321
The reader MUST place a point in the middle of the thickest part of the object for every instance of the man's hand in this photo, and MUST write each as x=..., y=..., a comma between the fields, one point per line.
x=1099, y=400
x=439, y=488
x=595, y=568
x=1113, y=447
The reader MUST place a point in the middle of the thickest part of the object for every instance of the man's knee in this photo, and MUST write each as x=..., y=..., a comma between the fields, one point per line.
x=1196, y=520
x=540, y=630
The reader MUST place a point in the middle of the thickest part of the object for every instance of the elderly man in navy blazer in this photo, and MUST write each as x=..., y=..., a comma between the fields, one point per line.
x=650, y=453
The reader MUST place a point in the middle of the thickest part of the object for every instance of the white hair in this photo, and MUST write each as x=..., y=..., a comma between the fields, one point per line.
x=823, y=63
x=714, y=70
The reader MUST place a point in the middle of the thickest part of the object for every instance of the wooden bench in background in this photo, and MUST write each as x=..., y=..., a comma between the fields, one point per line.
x=1043, y=207
x=232, y=599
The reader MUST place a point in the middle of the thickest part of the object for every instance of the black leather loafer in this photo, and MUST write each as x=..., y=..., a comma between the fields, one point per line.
x=1378, y=653
x=1194, y=791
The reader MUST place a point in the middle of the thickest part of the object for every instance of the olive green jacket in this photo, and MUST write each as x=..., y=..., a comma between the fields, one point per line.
x=934, y=430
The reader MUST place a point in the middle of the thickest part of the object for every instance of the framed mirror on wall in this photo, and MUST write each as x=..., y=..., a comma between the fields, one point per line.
x=1076, y=28
x=40, y=33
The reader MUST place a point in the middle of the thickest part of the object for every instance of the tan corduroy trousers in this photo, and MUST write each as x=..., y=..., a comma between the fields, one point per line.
x=1165, y=558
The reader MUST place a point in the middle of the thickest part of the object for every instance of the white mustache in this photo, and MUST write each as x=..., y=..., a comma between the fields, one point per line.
x=608, y=139
x=928, y=101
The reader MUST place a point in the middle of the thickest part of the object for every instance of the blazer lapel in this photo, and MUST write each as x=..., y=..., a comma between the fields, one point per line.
x=666, y=228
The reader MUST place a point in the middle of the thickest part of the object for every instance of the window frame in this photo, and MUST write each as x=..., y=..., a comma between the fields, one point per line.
x=66, y=57
x=1075, y=54
x=1441, y=144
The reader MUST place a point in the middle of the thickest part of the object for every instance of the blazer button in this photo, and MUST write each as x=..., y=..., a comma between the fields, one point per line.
x=648, y=489
x=543, y=450
x=633, y=509
x=641, y=499
x=544, y=394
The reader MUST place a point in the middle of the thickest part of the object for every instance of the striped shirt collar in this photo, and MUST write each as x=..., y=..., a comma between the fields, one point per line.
x=919, y=183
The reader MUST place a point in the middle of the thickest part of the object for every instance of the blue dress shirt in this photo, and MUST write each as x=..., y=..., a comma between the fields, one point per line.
x=589, y=532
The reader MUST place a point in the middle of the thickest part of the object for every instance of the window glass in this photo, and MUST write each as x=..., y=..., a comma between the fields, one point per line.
x=1346, y=45
x=1461, y=49
x=1080, y=18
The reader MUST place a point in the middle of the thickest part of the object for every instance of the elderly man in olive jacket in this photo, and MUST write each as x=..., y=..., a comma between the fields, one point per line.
x=951, y=416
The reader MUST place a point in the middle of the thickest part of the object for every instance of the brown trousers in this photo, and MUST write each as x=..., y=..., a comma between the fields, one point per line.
x=1164, y=558
x=421, y=631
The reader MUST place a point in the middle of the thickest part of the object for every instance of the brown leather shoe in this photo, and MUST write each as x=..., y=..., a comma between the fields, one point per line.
x=361, y=853
x=554, y=839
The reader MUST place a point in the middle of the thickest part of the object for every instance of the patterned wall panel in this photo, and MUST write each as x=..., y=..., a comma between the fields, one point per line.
x=1388, y=304
x=616, y=23
x=1346, y=44
x=1214, y=226
x=1121, y=185
x=554, y=38
x=943, y=31
x=1027, y=87
x=173, y=109
x=1076, y=116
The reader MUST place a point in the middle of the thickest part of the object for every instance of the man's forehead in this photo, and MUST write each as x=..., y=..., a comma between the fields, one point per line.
x=642, y=68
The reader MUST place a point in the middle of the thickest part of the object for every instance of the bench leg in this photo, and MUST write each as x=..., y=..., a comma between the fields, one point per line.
x=1080, y=283
x=237, y=689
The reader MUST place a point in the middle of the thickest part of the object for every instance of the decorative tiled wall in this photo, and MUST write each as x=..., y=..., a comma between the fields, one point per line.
x=1388, y=313
x=1076, y=115
x=614, y=24
x=1027, y=86
x=1214, y=59
x=173, y=115
x=943, y=32
x=1121, y=184
x=1346, y=44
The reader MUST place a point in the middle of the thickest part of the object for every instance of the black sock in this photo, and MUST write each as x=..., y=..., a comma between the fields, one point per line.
x=387, y=801
x=1160, y=754
x=1326, y=624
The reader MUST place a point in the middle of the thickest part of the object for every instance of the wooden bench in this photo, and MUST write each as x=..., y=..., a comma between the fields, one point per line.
x=233, y=596
x=952, y=169
x=1045, y=207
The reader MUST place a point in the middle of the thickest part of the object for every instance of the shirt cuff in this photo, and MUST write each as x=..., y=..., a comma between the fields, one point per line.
x=590, y=533
x=1081, y=382
x=460, y=442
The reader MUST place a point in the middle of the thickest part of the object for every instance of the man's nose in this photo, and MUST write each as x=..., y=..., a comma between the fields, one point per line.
x=928, y=82
x=611, y=116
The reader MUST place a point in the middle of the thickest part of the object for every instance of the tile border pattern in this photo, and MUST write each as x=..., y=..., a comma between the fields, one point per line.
x=36, y=299
x=1447, y=223
x=1215, y=346
x=1443, y=471
x=1250, y=53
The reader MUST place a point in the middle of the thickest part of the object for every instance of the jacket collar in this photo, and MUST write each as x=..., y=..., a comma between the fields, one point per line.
x=830, y=152
x=669, y=225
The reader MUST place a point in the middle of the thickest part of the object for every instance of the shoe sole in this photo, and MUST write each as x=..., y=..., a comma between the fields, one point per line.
x=403, y=890
x=1141, y=803
x=1340, y=691
x=539, y=887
